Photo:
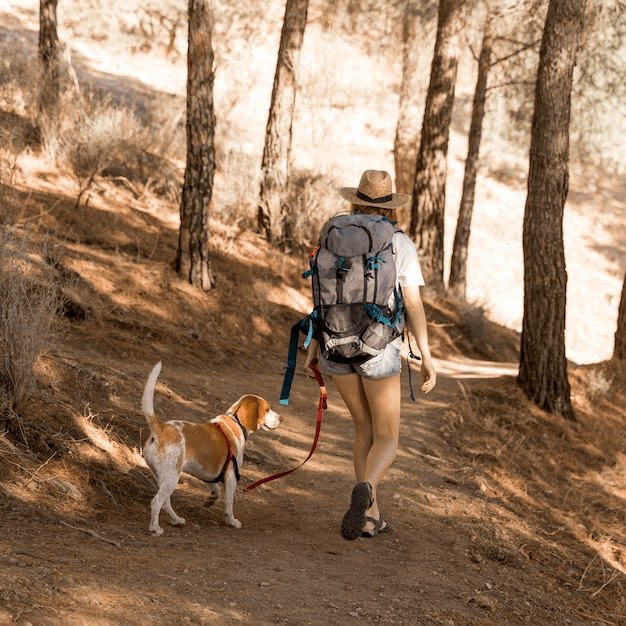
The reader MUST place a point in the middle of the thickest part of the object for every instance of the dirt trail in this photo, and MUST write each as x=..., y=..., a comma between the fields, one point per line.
x=288, y=564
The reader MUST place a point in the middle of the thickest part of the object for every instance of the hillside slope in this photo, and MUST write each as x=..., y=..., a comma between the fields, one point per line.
x=500, y=514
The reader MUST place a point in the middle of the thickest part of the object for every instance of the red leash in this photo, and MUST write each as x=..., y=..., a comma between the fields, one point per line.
x=320, y=410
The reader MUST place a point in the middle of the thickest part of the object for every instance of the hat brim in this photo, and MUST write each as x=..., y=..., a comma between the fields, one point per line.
x=397, y=199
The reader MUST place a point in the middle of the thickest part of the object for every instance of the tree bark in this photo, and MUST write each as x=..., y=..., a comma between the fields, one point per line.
x=411, y=108
x=192, y=261
x=457, y=284
x=49, y=58
x=543, y=365
x=429, y=190
x=276, y=162
x=619, y=351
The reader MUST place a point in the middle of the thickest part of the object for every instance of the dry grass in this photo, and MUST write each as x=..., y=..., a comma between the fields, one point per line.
x=30, y=302
x=465, y=328
x=564, y=479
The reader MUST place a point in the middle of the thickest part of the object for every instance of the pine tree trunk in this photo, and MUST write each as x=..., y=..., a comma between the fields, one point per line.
x=192, y=261
x=49, y=57
x=619, y=351
x=429, y=190
x=458, y=265
x=543, y=365
x=411, y=109
x=276, y=162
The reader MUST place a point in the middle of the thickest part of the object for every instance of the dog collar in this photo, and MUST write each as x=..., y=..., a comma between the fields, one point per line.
x=244, y=430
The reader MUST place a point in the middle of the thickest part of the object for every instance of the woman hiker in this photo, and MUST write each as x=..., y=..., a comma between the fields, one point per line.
x=371, y=390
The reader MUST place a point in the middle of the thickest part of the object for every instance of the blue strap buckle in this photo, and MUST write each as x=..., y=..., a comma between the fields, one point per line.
x=343, y=264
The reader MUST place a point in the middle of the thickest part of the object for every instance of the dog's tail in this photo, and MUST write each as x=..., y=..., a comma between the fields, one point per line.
x=147, y=402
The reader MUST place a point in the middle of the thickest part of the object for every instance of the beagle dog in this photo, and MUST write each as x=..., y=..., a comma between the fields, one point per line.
x=211, y=451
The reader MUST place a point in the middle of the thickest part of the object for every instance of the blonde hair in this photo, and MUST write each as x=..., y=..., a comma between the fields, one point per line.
x=390, y=214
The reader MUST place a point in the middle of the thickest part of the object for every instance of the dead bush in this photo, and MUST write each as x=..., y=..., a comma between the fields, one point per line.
x=237, y=183
x=9, y=197
x=29, y=303
x=314, y=199
x=102, y=135
x=97, y=133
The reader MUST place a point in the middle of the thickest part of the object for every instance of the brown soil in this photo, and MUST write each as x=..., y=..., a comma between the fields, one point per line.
x=500, y=514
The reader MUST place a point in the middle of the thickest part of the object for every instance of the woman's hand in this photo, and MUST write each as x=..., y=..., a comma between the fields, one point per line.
x=416, y=318
x=311, y=359
x=429, y=374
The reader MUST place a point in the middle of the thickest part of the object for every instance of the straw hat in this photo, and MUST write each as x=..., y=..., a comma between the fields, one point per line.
x=375, y=190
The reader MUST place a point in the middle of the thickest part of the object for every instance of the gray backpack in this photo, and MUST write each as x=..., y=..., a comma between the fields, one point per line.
x=357, y=308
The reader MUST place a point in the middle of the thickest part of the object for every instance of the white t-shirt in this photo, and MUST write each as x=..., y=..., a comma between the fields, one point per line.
x=408, y=270
x=408, y=267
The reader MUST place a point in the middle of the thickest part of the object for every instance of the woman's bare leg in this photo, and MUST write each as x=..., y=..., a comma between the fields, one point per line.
x=383, y=396
x=375, y=408
x=351, y=390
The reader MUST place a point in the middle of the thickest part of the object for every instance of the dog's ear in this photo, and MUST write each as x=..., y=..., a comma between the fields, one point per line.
x=250, y=411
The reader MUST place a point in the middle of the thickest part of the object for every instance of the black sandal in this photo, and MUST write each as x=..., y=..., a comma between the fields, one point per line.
x=354, y=520
x=378, y=529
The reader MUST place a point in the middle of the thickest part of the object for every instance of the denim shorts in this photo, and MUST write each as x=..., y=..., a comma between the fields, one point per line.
x=387, y=363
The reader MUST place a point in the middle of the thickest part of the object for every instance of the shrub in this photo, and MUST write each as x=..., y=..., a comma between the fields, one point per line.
x=236, y=189
x=101, y=136
x=29, y=302
x=599, y=383
x=314, y=199
x=9, y=196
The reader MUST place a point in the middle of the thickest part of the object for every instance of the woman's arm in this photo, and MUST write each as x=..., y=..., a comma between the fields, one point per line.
x=416, y=320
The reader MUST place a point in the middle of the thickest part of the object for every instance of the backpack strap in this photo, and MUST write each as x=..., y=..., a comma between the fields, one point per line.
x=375, y=312
x=411, y=355
x=306, y=326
